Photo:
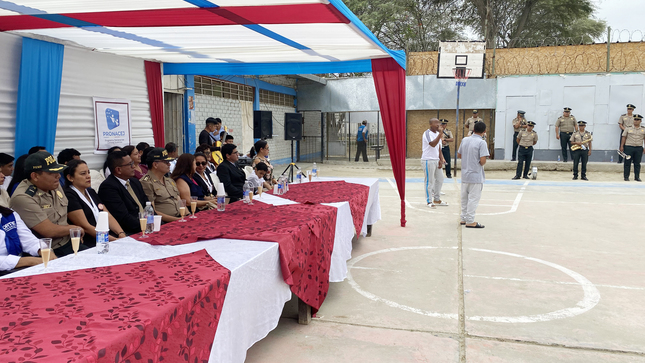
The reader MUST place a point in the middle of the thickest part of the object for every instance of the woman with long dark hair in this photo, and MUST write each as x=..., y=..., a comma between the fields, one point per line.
x=106, y=170
x=202, y=175
x=84, y=204
x=19, y=174
x=260, y=154
x=183, y=175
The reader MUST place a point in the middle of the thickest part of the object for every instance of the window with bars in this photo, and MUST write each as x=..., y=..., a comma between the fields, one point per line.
x=218, y=88
x=276, y=98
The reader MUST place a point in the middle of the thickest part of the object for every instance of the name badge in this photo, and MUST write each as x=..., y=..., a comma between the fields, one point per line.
x=47, y=206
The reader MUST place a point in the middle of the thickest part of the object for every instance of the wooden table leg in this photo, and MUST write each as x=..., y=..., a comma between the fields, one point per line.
x=369, y=230
x=304, y=312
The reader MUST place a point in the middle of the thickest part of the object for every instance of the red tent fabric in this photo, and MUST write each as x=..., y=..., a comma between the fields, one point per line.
x=155, y=96
x=389, y=79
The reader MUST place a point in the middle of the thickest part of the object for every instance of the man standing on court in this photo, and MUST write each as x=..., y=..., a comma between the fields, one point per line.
x=626, y=120
x=526, y=139
x=432, y=162
x=361, y=141
x=519, y=124
x=473, y=152
x=446, y=139
x=564, y=128
x=470, y=123
x=632, y=144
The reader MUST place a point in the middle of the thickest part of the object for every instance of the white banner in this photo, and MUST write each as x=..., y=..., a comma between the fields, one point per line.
x=112, y=124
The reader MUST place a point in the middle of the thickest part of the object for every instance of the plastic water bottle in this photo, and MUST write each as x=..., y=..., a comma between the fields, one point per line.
x=221, y=202
x=299, y=176
x=612, y=159
x=280, y=186
x=150, y=218
x=247, y=190
x=314, y=170
x=558, y=157
x=102, y=242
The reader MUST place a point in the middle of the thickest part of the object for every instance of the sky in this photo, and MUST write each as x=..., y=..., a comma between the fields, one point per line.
x=623, y=15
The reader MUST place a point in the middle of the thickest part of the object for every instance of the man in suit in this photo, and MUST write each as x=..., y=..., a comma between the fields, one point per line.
x=122, y=193
x=230, y=174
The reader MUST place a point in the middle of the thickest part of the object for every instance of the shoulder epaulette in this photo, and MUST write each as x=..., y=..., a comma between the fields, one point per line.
x=146, y=177
x=31, y=191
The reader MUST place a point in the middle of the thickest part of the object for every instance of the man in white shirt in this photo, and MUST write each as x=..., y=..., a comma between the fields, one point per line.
x=473, y=152
x=432, y=162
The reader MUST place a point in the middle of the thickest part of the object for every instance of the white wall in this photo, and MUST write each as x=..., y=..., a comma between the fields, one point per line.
x=598, y=99
x=11, y=46
x=88, y=74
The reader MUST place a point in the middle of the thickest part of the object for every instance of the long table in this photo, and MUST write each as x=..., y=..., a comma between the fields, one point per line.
x=257, y=291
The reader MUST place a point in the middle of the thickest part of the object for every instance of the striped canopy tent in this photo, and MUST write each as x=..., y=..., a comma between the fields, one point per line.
x=227, y=37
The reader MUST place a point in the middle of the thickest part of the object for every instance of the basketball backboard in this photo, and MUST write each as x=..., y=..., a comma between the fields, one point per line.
x=466, y=59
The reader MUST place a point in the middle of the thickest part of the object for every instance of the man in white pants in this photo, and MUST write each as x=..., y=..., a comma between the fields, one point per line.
x=432, y=162
x=473, y=152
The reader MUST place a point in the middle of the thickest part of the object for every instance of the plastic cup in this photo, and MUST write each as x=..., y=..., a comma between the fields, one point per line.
x=45, y=249
x=157, y=225
x=75, y=235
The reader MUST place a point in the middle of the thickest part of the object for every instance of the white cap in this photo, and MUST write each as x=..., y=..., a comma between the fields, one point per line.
x=103, y=225
x=148, y=203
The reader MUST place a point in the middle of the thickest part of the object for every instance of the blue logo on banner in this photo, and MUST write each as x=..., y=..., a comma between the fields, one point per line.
x=112, y=117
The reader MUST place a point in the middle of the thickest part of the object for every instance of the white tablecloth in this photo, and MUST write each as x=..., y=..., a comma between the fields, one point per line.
x=254, y=300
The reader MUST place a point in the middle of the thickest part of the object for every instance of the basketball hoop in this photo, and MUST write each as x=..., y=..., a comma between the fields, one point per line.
x=461, y=75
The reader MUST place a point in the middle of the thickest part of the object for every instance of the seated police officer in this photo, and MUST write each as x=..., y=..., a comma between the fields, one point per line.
x=160, y=189
x=41, y=202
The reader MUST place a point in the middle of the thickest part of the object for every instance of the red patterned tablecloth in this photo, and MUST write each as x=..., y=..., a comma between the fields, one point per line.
x=333, y=192
x=161, y=310
x=305, y=234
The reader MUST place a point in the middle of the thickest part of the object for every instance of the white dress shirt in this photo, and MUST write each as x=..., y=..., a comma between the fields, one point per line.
x=28, y=241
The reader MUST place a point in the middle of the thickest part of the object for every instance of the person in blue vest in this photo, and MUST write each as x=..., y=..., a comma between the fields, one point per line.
x=361, y=141
x=18, y=246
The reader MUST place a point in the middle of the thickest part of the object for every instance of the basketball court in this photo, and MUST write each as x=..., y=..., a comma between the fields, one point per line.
x=556, y=275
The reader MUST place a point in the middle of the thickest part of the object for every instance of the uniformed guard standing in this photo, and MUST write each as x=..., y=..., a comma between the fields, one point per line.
x=41, y=202
x=470, y=123
x=526, y=140
x=632, y=144
x=624, y=121
x=161, y=190
x=581, y=138
x=564, y=128
x=446, y=139
x=519, y=124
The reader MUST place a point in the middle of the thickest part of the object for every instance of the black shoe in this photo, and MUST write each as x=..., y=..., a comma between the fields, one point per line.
x=525, y=177
x=637, y=179
x=513, y=159
x=449, y=177
x=626, y=179
x=565, y=160
x=515, y=177
x=584, y=178
x=575, y=177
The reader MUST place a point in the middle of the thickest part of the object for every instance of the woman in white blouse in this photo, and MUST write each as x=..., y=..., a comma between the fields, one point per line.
x=84, y=204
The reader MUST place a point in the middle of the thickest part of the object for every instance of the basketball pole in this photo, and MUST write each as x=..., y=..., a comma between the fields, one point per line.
x=458, y=123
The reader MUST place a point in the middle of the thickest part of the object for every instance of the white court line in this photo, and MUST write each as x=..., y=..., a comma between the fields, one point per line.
x=407, y=204
x=551, y=282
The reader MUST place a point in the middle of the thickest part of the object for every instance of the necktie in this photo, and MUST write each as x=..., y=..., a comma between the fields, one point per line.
x=134, y=196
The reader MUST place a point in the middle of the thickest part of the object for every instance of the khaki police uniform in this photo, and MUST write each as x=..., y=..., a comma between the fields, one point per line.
x=567, y=126
x=4, y=198
x=581, y=155
x=519, y=123
x=633, y=146
x=164, y=196
x=35, y=206
x=470, y=124
x=625, y=121
x=445, y=150
x=527, y=139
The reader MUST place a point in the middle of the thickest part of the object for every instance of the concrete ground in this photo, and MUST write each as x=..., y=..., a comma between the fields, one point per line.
x=557, y=275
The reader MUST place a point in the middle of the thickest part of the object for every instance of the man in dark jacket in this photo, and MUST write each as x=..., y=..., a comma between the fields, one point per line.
x=206, y=136
x=230, y=174
x=122, y=193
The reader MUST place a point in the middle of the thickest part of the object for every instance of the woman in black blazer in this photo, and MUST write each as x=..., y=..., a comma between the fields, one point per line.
x=84, y=204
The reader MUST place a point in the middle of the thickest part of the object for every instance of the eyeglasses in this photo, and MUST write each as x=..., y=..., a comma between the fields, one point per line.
x=130, y=164
x=203, y=163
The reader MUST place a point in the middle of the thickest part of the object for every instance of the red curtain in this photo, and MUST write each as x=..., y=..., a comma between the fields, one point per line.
x=389, y=79
x=155, y=97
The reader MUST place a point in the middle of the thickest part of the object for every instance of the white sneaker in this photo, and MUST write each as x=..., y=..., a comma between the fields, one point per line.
x=441, y=203
x=430, y=205
x=442, y=193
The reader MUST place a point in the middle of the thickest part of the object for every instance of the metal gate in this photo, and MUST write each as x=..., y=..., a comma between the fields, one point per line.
x=173, y=119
